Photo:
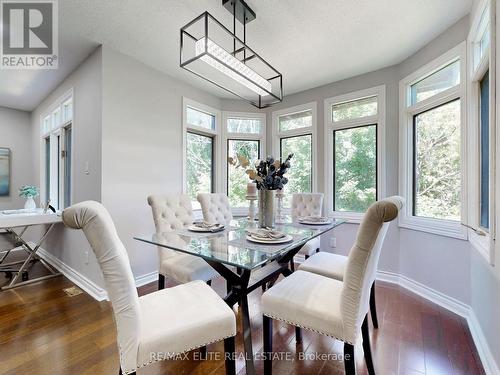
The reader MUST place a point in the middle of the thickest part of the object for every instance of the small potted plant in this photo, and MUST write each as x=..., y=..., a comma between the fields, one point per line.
x=29, y=192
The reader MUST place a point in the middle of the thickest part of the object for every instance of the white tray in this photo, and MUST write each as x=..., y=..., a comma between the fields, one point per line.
x=194, y=228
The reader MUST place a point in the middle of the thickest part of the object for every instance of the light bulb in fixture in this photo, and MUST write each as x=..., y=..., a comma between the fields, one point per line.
x=247, y=77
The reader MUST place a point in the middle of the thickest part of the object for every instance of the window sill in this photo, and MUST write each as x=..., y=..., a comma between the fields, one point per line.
x=444, y=228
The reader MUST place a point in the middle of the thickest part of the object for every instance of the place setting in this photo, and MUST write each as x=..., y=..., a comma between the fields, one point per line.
x=315, y=220
x=205, y=227
x=267, y=236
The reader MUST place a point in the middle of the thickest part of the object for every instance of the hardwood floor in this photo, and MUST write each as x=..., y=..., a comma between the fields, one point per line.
x=44, y=331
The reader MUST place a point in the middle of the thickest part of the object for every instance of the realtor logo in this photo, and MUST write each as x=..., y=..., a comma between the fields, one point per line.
x=29, y=34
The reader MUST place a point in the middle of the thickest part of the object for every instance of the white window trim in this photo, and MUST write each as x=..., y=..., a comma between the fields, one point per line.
x=52, y=133
x=277, y=135
x=261, y=137
x=215, y=134
x=483, y=244
x=330, y=126
x=406, y=219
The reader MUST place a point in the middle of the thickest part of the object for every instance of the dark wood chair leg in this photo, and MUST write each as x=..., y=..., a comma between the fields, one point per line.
x=161, y=282
x=203, y=352
x=292, y=266
x=349, y=363
x=298, y=335
x=373, y=307
x=209, y=282
x=229, y=350
x=306, y=256
x=366, y=346
x=268, y=344
x=317, y=250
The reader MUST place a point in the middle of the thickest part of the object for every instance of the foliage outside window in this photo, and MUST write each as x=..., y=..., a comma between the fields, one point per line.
x=484, y=139
x=437, y=170
x=355, y=168
x=355, y=109
x=300, y=175
x=199, y=164
x=295, y=121
x=443, y=79
x=244, y=125
x=237, y=177
x=200, y=119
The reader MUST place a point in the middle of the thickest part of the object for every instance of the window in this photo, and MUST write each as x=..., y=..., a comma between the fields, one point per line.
x=245, y=136
x=56, y=127
x=201, y=149
x=484, y=99
x=431, y=166
x=294, y=133
x=355, y=168
x=436, y=162
x=354, y=136
x=481, y=144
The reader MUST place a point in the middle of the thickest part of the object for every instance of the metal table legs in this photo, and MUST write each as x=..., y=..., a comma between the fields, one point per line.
x=27, y=263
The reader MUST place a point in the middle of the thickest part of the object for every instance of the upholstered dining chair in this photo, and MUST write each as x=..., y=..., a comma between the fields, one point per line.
x=215, y=208
x=160, y=324
x=331, y=307
x=170, y=212
x=307, y=204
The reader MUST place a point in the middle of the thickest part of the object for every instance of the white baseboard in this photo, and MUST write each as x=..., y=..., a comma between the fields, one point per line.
x=77, y=278
x=453, y=305
x=84, y=282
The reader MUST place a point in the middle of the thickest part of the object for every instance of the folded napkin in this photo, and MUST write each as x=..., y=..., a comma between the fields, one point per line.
x=315, y=219
x=208, y=226
x=265, y=234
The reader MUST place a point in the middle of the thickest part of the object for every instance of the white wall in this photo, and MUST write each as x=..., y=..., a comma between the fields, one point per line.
x=70, y=246
x=15, y=133
x=142, y=146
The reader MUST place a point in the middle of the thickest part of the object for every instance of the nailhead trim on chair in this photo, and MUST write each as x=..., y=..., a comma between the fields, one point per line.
x=308, y=328
x=185, y=351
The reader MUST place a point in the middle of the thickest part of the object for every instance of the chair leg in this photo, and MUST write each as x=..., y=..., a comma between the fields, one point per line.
x=292, y=266
x=349, y=363
x=366, y=346
x=317, y=250
x=373, y=307
x=228, y=287
x=229, y=349
x=203, y=352
x=306, y=256
x=209, y=282
x=161, y=282
x=298, y=335
x=268, y=344
x=121, y=373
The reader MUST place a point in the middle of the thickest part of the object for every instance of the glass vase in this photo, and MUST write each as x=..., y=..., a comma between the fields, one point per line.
x=266, y=208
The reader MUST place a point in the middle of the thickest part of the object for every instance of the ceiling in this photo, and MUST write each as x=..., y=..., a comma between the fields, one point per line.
x=310, y=42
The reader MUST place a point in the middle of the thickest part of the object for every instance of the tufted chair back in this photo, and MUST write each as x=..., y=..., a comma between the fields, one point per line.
x=170, y=212
x=113, y=260
x=362, y=263
x=215, y=208
x=307, y=204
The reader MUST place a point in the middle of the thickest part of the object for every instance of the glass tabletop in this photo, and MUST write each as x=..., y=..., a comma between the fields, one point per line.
x=231, y=246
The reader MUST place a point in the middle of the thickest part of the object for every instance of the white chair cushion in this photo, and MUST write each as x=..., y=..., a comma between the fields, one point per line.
x=326, y=264
x=306, y=300
x=182, y=318
x=185, y=268
x=307, y=204
x=310, y=247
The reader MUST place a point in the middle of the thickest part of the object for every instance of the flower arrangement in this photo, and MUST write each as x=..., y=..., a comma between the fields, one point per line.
x=28, y=191
x=267, y=174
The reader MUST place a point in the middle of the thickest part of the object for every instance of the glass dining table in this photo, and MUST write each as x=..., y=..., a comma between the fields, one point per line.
x=257, y=265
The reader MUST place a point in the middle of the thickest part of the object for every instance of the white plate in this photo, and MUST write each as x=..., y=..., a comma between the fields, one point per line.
x=315, y=222
x=194, y=228
x=285, y=239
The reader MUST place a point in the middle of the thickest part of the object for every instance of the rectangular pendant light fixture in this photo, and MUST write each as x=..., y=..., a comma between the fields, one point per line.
x=214, y=53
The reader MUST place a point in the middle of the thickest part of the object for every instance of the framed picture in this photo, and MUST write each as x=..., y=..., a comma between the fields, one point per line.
x=4, y=172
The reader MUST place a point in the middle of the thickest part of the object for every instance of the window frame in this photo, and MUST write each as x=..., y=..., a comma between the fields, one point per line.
x=56, y=133
x=215, y=134
x=407, y=112
x=277, y=135
x=484, y=244
x=226, y=136
x=330, y=126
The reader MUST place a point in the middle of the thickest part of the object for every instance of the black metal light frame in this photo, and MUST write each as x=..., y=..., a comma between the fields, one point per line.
x=240, y=11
